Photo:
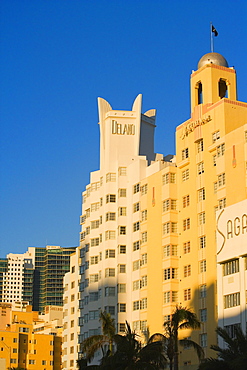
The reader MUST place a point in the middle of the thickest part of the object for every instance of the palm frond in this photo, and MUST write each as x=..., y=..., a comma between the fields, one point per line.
x=196, y=347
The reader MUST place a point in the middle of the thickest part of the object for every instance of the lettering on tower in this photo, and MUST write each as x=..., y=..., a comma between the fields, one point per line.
x=122, y=129
x=190, y=127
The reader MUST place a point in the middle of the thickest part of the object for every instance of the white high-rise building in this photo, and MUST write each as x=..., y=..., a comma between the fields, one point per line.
x=18, y=278
x=110, y=256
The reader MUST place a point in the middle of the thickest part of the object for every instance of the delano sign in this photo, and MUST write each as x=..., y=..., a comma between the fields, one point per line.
x=122, y=129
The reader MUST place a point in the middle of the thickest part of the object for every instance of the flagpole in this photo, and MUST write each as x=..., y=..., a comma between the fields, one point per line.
x=211, y=38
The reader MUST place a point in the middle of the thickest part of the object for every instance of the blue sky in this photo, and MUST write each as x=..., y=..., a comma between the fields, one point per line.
x=57, y=57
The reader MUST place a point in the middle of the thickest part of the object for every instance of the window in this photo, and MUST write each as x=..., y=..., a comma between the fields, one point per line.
x=187, y=294
x=110, y=216
x=110, y=177
x=136, y=285
x=201, y=195
x=231, y=330
x=199, y=93
x=223, y=92
x=186, y=247
x=203, y=315
x=169, y=177
x=144, y=215
x=245, y=136
x=31, y=362
x=200, y=146
x=222, y=203
x=214, y=160
x=94, y=206
x=136, y=188
x=220, y=150
x=122, y=171
x=221, y=179
x=215, y=187
x=144, y=259
x=122, y=230
x=136, y=207
x=143, y=303
x=169, y=227
x=121, y=288
x=110, y=235
x=110, y=198
x=170, y=273
x=202, y=241
x=122, y=193
x=144, y=281
x=200, y=168
x=170, y=250
x=203, y=340
x=94, y=242
x=169, y=204
x=230, y=267
x=201, y=218
x=110, y=309
x=185, y=175
x=95, y=224
x=186, y=224
x=185, y=153
x=122, y=249
x=122, y=211
x=95, y=186
x=109, y=292
x=122, y=269
x=167, y=297
x=144, y=189
x=136, y=265
x=203, y=266
x=136, y=245
x=136, y=226
x=203, y=291
x=136, y=305
x=186, y=201
x=187, y=270
x=109, y=272
x=110, y=253
x=144, y=237
x=121, y=327
x=122, y=307
x=215, y=136
x=166, y=205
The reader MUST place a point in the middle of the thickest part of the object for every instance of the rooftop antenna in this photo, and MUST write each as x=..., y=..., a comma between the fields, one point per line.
x=214, y=32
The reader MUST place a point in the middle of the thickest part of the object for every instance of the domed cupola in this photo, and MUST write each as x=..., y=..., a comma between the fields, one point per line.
x=212, y=81
x=212, y=58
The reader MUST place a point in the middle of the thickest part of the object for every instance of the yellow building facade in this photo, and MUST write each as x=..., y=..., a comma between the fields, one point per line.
x=21, y=347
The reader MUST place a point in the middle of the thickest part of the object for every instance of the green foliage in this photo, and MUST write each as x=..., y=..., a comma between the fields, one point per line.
x=182, y=318
x=233, y=357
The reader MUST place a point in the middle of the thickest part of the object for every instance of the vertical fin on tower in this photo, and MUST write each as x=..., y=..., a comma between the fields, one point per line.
x=103, y=108
x=136, y=107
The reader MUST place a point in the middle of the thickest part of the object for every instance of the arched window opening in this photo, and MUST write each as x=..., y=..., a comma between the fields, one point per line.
x=199, y=93
x=223, y=90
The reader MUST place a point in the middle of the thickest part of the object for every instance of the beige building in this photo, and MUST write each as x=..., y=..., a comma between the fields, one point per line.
x=71, y=329
x=148, y=239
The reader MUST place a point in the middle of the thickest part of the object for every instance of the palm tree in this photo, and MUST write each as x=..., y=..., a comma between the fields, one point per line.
x=130, y=355
x=182, y=318
x=233, y=357
x=95, y=342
